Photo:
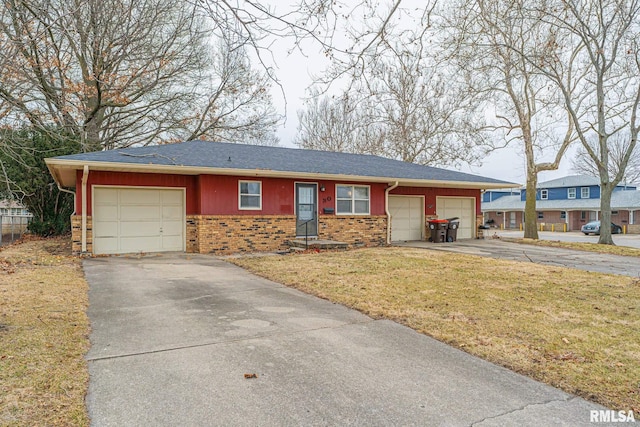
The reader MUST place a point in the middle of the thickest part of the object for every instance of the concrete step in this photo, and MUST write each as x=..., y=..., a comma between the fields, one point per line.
x=317, y=244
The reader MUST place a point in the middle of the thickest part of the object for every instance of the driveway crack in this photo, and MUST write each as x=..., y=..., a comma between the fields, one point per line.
x=173, y=302
x=522, y=408
x=228, y=341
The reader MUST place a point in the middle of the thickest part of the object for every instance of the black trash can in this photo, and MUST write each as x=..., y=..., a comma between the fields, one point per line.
x=438, y=229
x=452, y=229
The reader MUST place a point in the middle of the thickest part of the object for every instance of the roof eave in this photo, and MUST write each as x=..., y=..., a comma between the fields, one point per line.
x=57, y=165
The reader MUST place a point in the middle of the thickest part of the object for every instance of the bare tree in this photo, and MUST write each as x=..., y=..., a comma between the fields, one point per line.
x=491, y=40
x=592, y=55
x=618, y=147
x=337, y=124
x=122, y=72
x=402, y=107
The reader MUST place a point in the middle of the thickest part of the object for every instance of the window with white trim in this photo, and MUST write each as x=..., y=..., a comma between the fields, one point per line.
x=540, y=215
x=563, y=214
x=571, y=193
x=352, y=199
x=544, y=194
x=584, y=192
x=250, y=195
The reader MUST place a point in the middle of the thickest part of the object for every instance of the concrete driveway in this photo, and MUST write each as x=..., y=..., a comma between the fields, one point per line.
x=496, y=248
x=173, y=337
x=630, y=240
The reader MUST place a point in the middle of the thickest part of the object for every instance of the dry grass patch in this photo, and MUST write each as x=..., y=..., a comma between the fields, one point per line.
x=43, y=335
x=589, y=247
x=575, y=330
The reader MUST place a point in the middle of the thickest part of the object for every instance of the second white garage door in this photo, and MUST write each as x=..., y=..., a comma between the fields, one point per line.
x=461, y=207
x=406, y=218
x=127, y=220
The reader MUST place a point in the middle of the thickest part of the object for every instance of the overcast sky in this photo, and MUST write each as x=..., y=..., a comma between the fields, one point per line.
x=295, y=72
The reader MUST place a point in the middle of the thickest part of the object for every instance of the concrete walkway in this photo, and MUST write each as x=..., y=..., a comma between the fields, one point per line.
x=581, y=260
x=173, y=337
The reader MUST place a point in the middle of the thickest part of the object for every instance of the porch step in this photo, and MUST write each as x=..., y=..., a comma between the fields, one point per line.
x=317, y=244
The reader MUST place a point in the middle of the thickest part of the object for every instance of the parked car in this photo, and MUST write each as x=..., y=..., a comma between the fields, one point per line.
x=594, y=227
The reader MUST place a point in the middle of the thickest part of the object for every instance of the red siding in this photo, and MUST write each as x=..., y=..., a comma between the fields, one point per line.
x=218, y=194
x=430, y=195
x=137, y=180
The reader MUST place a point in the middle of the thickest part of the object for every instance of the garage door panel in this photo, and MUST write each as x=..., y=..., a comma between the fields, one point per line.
x=172, y=228
x=138, y=220
x=105, y=245
x=461, y=207
x=139, y=197
x=108, y=196
x=406, y=218
x=139, y=213
x=172, y=212
x=140, y=244
x=105, y=229
x=172, y=243
x=172, y=198
x=108, y=212
x=140, y=229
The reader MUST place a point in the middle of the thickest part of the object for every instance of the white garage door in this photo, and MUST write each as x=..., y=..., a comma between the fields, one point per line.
x=127, y=220
x=463, y=208
x=406, y=218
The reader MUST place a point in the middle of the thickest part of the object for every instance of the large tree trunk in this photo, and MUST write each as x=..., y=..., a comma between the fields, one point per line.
x=530, y=215
x=606, y=188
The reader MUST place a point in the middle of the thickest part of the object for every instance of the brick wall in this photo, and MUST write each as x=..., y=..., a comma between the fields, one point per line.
x=354, y=230
x=226, y=234
x=76, y=234
x=552, y=226
x=633, y=229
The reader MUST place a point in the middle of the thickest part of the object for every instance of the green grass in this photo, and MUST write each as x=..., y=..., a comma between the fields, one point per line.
x=575, y=330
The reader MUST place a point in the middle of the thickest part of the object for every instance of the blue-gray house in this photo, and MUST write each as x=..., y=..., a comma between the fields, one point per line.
x=562, y=204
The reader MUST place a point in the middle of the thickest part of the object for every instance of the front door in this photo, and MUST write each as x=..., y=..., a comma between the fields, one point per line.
x=306, y=210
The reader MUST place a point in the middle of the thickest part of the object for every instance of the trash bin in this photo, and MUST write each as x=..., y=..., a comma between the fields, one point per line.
x=482, y=229
x=452, y=229
x=438, y=229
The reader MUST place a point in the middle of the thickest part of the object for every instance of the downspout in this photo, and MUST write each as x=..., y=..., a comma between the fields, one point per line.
x=85, y=176
x=70, y=192
x=386, y=209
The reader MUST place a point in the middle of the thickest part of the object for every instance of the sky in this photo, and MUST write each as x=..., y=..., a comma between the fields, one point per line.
x=295, y=72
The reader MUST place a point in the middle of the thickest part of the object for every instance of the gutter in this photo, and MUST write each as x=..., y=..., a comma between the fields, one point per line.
x=85, y=177
x=386, y=210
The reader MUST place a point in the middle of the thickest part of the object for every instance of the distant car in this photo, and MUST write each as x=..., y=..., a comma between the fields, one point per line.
x=594, y=227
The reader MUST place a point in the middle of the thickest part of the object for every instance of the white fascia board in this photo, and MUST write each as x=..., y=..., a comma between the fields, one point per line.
x=56, y=165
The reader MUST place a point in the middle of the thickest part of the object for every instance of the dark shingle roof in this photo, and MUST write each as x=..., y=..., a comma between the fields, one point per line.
x=204, y=154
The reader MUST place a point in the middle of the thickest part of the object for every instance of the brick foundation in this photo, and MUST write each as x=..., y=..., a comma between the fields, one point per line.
x=354, y=230
x=76, y=234
x=227, y=234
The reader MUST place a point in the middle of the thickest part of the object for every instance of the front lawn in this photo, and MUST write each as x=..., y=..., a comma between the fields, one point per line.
x=43, y=335
x=575, y=330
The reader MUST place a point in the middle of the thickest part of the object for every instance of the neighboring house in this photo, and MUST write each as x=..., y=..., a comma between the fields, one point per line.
x=12, y=208
x=200, y=196
x=568, y=202
x=14, y=217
